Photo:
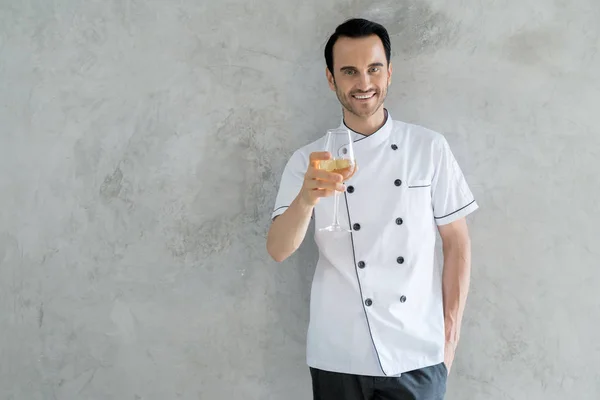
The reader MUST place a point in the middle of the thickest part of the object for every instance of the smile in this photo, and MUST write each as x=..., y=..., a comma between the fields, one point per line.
x=364, y=96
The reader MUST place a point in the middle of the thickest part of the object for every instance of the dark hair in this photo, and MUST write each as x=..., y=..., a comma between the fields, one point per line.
x=357, y=28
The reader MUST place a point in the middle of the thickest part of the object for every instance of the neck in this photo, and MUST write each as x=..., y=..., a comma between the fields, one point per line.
x=368, y=125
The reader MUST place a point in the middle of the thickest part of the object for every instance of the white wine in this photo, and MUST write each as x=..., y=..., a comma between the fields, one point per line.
x=342, y=166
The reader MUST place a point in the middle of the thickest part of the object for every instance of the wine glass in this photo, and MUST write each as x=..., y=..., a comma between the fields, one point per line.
x=338, y=142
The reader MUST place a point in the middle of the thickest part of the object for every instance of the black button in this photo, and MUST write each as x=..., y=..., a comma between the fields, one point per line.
x=368, y=302
x=400, y=260
x=356, y=227
x=350, y=189
x=397, y=182
x=361, y=264
x=402, y=299
x=394, y=147
x=399, y=221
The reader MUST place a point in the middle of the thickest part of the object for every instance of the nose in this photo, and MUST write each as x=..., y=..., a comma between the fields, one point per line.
x=364, y=82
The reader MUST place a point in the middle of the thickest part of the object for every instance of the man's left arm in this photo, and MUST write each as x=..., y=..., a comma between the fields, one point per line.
x=455, y=281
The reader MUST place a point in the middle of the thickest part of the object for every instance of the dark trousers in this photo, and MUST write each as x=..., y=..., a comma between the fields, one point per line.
x=427, y=383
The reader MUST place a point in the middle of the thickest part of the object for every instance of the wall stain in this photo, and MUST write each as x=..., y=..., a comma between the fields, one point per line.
x=230, y=190
x=414, y=27
x=111, y=187
x=532, y=46
x=41, y=315
x=7, y=242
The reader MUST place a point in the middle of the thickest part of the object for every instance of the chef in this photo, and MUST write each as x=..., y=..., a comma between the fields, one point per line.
x=384, y=317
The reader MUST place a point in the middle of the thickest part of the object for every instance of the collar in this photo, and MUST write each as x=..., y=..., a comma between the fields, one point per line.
x=376, y=138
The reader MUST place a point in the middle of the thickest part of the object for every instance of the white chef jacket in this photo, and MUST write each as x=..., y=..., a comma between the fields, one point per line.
x=376, y=299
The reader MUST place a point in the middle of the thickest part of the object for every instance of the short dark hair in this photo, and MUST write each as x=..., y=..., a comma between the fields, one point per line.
x=357, y=28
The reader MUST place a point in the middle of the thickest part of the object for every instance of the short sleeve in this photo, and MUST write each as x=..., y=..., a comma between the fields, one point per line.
x=451, y=196
x=291, y=183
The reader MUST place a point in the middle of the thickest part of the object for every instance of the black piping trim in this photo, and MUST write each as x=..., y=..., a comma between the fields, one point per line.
x=362, y=138
x=359, y=285
x=374, y=133
x=312, y=215
x=413, y=187
x=277, y=209
x=462, y=208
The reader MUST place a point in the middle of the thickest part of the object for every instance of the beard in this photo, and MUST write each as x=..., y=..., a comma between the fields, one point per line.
x=361, y=110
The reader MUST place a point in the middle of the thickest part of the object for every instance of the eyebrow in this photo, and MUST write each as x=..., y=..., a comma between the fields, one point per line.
x=377, y=64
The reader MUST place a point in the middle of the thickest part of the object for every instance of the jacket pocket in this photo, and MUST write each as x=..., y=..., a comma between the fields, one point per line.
x=419, y=183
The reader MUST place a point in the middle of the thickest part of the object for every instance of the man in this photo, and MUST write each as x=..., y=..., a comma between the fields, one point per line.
x=384, y=318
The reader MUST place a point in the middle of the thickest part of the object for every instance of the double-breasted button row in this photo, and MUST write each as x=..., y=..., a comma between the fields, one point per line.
x=356, y=227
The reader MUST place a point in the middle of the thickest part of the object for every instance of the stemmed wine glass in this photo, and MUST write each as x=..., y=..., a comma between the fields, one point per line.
x=338, y=142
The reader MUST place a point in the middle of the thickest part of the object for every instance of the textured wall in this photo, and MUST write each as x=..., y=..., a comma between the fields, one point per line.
x=141, y=148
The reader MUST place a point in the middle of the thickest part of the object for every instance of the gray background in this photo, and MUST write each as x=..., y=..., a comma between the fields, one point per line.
x=142, y=143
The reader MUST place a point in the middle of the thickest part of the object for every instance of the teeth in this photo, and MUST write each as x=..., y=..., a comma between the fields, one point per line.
x=364, y=97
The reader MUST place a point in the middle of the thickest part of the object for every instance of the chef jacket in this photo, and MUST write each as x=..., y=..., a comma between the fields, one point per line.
x=376, y=298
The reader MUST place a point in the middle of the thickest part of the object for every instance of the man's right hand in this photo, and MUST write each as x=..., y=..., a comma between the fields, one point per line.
x=288, y=230
x=319, y=183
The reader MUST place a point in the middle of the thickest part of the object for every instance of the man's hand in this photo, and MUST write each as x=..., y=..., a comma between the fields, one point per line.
x=449, y=350
x=319, y=183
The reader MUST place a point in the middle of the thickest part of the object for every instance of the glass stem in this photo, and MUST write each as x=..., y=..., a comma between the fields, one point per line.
x=336, y=197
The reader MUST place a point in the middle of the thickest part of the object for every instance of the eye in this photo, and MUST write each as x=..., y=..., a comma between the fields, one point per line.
x=348, y=72
x=375, y=69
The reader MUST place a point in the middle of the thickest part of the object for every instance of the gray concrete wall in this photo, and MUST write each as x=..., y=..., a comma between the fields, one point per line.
x=141, y=148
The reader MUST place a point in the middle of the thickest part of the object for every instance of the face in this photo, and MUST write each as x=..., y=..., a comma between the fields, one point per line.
x=361, y=75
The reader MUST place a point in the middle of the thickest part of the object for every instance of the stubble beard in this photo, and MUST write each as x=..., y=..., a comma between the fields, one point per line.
x=346, y=102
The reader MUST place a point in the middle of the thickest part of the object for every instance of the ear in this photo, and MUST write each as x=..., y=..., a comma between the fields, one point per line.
x=390, y=74
x=330, y=79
